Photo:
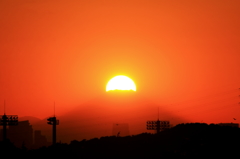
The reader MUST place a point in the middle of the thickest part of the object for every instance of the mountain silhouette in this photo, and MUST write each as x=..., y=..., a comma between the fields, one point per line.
x=96, y=117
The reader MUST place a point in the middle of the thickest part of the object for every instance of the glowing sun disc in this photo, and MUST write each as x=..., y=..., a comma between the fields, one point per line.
x=121, y=83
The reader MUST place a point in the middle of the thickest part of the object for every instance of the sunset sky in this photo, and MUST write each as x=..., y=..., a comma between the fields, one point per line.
x=183, y=55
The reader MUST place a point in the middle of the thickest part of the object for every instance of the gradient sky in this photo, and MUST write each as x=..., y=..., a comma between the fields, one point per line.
x=183, y=55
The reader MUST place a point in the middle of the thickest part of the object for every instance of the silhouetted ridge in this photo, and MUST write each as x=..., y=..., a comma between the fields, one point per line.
x=184, y=140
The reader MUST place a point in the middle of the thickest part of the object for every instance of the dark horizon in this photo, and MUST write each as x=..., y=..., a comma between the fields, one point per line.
x=183, y=140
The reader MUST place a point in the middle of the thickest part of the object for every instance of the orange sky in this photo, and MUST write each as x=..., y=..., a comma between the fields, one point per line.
x=182, y=54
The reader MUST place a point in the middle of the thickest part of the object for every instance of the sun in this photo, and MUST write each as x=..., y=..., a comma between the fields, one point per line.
x=121, y=83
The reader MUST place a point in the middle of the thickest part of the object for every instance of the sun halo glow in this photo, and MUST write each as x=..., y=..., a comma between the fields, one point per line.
x=121, y=83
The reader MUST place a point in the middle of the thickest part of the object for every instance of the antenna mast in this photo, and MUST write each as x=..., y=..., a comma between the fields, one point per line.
x=4, y=107
x=54, y=108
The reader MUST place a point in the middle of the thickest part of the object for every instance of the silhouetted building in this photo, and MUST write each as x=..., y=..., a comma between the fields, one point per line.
x=39, y=139
x=229, y=124
x=21, y=134
x=120, y=129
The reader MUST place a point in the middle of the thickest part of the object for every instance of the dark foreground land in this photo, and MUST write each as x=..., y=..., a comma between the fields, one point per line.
x=183, y=140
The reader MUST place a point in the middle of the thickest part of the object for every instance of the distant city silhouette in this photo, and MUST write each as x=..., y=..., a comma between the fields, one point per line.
x=40, y=140
x=21, y=135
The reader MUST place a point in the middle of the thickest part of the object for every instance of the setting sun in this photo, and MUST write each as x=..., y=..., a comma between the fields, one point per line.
x=121, y=83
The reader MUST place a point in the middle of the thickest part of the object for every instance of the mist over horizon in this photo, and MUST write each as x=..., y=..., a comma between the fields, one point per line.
x=96, y=117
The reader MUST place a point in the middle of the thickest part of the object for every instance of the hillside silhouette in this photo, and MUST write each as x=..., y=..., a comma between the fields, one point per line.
x=183, y=140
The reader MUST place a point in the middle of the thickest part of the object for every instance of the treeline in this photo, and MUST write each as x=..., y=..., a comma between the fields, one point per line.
x=183, y=140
